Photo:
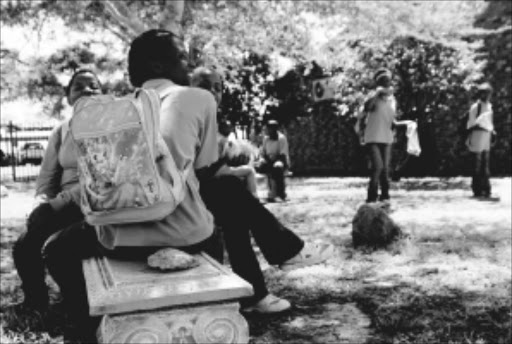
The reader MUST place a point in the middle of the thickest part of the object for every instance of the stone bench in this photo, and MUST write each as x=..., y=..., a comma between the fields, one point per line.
x=142, y=305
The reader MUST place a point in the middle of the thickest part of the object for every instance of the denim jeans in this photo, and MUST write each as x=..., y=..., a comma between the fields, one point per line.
x=380, y=158
x=480, y=184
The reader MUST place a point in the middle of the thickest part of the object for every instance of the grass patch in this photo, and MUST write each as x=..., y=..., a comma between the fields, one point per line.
x=449, y=282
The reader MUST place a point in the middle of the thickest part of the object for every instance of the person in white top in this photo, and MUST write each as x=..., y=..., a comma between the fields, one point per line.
x=480, y=126
x=275, y=160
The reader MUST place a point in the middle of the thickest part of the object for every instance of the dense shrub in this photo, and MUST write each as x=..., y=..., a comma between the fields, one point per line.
x=435, y=83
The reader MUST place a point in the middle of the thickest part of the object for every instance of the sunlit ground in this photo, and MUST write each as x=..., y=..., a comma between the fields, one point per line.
x=450, y=281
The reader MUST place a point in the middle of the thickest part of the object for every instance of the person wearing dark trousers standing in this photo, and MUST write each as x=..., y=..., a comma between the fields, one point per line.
x=375, y=126
x=480, y=127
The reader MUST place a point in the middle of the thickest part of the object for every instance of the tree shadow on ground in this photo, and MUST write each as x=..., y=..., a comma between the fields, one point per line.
x=399, y=314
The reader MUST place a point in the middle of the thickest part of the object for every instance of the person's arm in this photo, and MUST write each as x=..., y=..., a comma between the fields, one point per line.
x=207, y=162
x=66, y=197
x=49, y=178
x=284, y=151
x=472, y=117
x=402, y=123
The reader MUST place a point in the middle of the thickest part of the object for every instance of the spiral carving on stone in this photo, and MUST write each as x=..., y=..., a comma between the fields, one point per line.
x=151, y=331
x=222, y=327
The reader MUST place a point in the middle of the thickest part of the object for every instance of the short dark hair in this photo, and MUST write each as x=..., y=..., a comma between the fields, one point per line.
x=484, y=90
x=151, y=46
x=78, y=72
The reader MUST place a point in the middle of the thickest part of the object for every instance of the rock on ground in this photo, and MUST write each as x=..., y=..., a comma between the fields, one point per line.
x=373, y=227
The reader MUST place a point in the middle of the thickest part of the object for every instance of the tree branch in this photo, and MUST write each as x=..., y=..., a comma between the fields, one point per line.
x=125, y=17
x=171, y=19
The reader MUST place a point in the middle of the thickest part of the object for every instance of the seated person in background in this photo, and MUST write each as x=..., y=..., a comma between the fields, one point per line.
x=275, y=160
x=57, y=206
x=236, y=155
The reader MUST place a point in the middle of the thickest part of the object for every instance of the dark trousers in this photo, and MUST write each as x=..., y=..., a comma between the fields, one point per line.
x=64, y=253
x=276, y=181
x=41, y=224
x=380, y=158
x=239, y=215
x=481, y=184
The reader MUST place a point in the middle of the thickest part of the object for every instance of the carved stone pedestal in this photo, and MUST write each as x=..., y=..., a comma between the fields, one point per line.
x=141, y=305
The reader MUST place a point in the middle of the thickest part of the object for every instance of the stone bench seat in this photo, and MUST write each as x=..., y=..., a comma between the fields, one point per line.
x=142, y=305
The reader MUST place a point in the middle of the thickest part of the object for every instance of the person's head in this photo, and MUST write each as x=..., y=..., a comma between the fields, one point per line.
x=84, y=82
x=272, y=127
x=383, y=78
x=209, y=80
x=225, y=127
x=157, y=54
x=484, y=92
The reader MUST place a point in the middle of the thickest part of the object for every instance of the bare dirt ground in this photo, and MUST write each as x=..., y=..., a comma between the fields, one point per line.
x=449, y=282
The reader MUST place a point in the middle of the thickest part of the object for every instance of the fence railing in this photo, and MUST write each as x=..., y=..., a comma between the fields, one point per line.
x=22, y=149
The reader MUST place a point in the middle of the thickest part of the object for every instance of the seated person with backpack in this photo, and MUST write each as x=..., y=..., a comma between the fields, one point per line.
x=188, y=126
x=58, y=204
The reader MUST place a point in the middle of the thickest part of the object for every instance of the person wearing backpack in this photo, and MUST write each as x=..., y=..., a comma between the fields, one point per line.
x=56, y=199
x=480, y=128
x=189, y=129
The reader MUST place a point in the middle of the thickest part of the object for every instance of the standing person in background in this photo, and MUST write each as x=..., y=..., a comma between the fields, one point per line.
x=480, y=127
x=57, y=202
x=275, y=160
x=375, y=127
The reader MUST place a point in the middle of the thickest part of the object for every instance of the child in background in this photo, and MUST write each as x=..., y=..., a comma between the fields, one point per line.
x=375, y=127
x=237, y=162
x=480, y=125
x=57, y=203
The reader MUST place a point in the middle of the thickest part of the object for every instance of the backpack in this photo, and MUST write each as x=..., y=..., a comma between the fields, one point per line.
x=463, y=123
x=126, y=172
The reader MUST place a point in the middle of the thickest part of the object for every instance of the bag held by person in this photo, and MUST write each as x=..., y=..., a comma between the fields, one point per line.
x=126, y=171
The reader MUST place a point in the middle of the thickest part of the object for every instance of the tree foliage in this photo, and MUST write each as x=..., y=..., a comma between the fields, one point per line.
x=270, y=51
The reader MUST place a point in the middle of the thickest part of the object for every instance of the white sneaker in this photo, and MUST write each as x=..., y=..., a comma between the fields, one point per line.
x=269, y=304
x=311, y=254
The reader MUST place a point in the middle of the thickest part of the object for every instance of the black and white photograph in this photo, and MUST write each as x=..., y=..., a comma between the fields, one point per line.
x=256, y=171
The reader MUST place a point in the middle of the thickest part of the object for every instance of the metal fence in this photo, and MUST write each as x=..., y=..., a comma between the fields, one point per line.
x=21, y=150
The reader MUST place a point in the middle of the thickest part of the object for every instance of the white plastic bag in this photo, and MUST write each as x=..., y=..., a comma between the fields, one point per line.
x=413, y=143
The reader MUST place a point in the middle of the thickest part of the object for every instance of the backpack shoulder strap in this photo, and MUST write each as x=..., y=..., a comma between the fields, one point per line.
x=162, y=94
x=64, y=130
